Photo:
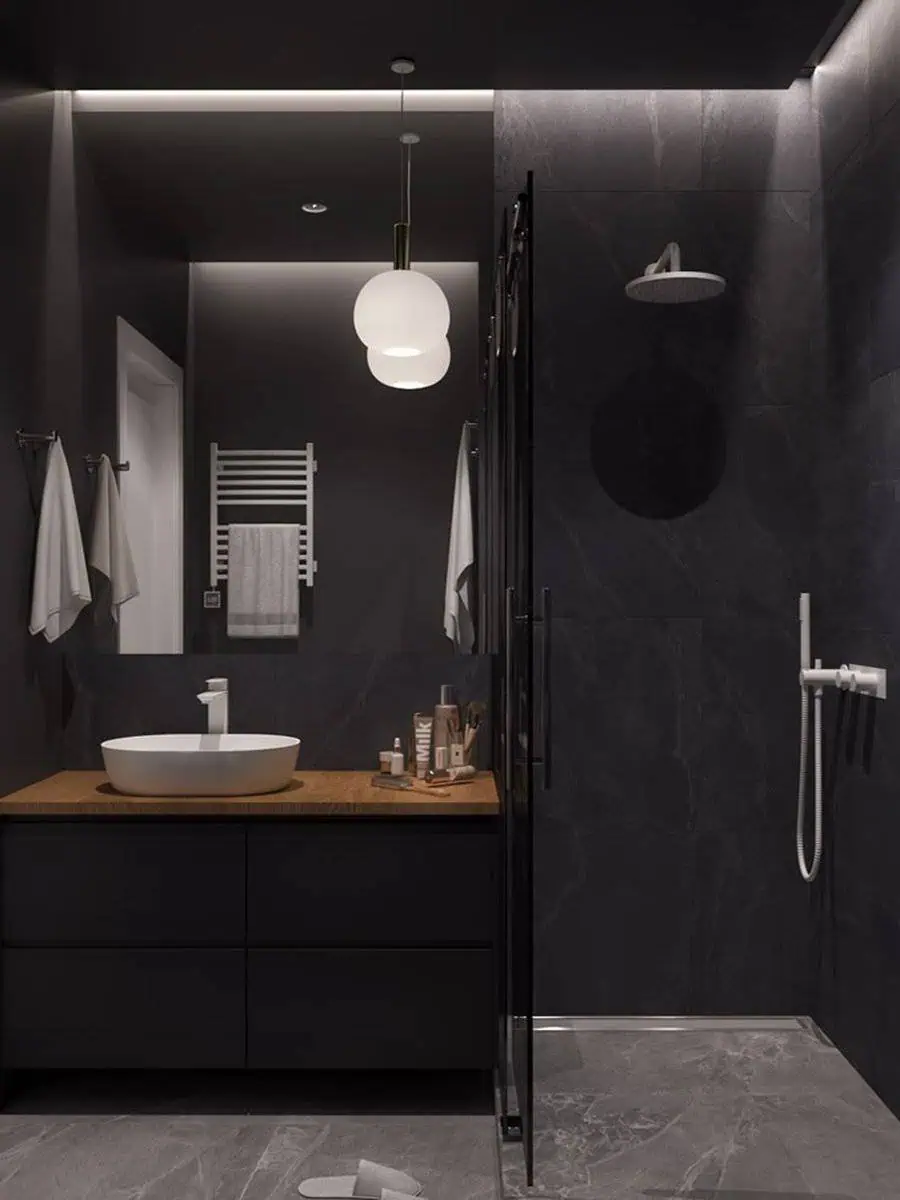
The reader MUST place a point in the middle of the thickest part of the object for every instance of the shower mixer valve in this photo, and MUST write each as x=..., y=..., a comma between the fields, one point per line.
x=868, y=681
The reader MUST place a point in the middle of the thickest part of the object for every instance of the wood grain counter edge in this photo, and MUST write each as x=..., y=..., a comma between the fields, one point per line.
x=310, y=794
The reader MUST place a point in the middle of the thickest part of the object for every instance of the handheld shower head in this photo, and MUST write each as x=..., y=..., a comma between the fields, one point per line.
x=664, y=282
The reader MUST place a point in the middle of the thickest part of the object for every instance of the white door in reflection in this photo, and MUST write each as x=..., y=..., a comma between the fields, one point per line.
x=150, y=390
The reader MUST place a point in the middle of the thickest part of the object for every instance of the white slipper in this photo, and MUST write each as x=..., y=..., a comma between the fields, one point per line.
x=370, y=1182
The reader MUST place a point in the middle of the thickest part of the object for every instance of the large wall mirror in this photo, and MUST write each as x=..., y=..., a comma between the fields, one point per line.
x=220, y=332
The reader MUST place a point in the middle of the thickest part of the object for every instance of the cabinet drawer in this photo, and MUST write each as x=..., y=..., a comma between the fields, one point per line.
x=86, y=883
x=370, y=884
x=370, y=1009
x=123, y=1008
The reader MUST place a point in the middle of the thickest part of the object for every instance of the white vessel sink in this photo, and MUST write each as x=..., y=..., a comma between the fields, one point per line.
x=200, y=764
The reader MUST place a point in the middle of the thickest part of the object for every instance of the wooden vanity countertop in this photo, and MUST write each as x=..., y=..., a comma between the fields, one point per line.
x=310, y=794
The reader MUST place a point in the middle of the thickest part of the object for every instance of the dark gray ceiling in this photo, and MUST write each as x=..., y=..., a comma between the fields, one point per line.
x=230, y=185
x=458, y=43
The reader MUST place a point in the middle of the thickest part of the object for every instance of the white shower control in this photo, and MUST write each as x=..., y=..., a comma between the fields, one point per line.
x=868, y=681
x=850, y=677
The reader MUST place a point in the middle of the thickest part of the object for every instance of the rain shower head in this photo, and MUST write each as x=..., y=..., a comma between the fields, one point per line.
x=664, y=282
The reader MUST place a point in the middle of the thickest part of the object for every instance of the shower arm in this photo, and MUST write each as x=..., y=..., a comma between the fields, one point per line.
x=669, y=260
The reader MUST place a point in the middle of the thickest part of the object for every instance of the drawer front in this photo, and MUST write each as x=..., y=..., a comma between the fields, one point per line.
x=368, y=884
x=370, y=1009
x=86, y=884
x=123, y=1009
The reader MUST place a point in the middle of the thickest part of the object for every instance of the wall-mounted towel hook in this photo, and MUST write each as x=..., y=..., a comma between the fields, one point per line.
x=25, y=439
x=92, y=463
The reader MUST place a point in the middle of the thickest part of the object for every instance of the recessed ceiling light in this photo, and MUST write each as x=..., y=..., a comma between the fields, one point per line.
x=313, y=206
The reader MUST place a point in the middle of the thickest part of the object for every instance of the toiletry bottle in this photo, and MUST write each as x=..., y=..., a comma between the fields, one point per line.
x=446, y=727
x=422, y=726
x=397, y=758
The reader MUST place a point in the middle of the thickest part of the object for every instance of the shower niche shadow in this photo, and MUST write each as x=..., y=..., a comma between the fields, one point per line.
x=658, y=442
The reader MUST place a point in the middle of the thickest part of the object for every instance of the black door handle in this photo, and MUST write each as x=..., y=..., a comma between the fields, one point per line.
x=510, y=632
x=546, y=660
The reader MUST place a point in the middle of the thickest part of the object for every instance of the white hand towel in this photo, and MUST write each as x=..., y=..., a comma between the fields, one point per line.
x=61, y=587
x=459, y=621
x=110, y=551
x=263, y=581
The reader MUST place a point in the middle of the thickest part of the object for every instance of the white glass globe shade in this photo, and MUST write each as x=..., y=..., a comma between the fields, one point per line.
x=419, y=371
x=401, y=313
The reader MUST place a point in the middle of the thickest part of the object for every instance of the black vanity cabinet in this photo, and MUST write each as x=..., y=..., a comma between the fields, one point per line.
x=202, y=943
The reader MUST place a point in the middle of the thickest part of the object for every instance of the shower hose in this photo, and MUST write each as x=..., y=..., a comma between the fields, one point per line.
x=810, y=870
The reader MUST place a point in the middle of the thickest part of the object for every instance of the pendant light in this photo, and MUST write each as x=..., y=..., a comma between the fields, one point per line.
x=402, y=313
x=414, y=371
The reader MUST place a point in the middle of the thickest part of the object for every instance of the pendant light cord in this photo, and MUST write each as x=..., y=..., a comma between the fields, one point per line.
x=401, y=229
x=405, y=160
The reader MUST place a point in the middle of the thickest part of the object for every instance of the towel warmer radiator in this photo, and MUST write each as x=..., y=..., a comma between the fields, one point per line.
x=260, y=478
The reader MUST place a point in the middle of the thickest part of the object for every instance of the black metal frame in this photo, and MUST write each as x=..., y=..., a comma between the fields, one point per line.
x=509, y=624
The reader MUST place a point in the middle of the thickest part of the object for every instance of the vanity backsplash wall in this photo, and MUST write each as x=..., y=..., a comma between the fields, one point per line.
x=343, y=707
x=275, y=363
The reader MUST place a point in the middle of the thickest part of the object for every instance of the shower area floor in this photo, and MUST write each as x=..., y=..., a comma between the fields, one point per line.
x=704, y=1113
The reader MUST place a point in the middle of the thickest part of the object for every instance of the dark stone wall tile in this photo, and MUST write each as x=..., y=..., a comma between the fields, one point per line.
x=862, y=246
x=841, y=92
x=623, y=797
x=751, y=345
x=599, y=141
x=753, y=924
x=744, y=549
x=675, y=501
x=344, y=708
x=858, y=536
x=761, y=140
x=885, y=303
x=883, y=18
x=691, y=786
x=855, y=616
x=859, y=902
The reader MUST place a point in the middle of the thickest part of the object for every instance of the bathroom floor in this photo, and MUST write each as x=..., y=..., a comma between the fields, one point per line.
x=704, y=1115
x=58, y=1141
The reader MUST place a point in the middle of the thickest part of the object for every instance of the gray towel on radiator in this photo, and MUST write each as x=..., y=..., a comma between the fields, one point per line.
x=263, y=583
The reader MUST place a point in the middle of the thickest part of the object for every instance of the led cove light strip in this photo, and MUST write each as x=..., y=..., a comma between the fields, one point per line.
x=215, y=100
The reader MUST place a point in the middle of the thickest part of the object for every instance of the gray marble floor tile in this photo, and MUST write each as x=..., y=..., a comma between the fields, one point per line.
x=220, y=1157
x=774, y=1115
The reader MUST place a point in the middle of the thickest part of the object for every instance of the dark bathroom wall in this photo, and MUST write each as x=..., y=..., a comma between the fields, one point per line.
x=344, y=707
x=674, y=506
x=856, y=615
x=276, y=363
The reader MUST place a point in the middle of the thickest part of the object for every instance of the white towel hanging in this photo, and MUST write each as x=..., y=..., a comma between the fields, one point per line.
x=110, y=550
x=263, y=585
x=459, y=622
x=61, y=587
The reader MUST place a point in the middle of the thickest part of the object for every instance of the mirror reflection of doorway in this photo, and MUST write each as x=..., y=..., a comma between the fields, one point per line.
x=150, y=391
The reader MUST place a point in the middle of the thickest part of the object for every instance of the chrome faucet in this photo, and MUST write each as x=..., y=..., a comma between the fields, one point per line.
x=216, y=701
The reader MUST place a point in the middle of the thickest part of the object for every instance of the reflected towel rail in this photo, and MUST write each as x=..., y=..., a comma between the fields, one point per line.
x=25, y=439
x=260, y=479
